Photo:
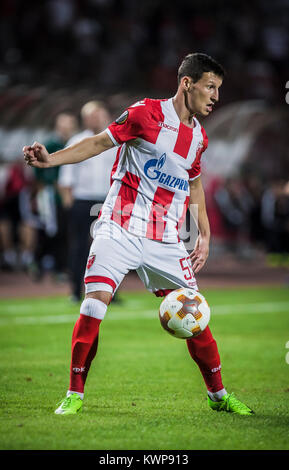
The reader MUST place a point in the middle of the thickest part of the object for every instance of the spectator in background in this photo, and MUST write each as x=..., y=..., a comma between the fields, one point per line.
x=51, y=243
x=83, y=188
x=275, y=219
x=235, y=204
x=16, y=236
x=254, y=185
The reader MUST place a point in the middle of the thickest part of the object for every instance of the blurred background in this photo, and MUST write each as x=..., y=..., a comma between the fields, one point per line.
x=58, y=55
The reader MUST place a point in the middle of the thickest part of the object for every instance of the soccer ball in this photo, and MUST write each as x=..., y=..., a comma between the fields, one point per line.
x=184, y=313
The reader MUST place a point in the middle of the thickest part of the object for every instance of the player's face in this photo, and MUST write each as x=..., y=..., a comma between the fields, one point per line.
x=204, y=93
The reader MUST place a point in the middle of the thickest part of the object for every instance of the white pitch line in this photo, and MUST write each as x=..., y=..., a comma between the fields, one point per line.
x=258, y=308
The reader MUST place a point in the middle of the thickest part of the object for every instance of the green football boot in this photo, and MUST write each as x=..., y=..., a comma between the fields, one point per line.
x=70, y=405
x=230, y=404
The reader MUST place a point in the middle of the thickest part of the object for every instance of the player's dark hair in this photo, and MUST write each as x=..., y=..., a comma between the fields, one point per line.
x=194, y=65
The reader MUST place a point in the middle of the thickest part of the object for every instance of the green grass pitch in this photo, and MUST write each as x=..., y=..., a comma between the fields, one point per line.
x=144, y=391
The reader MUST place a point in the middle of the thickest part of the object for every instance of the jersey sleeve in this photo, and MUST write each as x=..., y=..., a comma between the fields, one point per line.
x=130, y=124
x=195, y=169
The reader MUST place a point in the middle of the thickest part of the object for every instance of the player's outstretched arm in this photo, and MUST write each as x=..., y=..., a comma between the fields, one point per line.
x=37, y=156
x=201, y=251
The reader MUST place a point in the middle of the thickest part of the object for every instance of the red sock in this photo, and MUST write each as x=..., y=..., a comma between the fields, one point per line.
x=204, y=351
x=83, y=350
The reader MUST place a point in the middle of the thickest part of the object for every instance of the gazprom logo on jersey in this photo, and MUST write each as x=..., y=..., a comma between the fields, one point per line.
x=153, y=171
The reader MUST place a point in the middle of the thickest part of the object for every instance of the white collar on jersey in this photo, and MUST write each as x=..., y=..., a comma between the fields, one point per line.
x=172, y=108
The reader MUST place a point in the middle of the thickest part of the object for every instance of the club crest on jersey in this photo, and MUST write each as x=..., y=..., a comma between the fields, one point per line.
x=122, y=118
x=153, y=171
x=90, y=261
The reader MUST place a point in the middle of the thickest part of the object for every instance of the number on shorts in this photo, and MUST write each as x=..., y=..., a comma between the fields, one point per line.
x=186, y=267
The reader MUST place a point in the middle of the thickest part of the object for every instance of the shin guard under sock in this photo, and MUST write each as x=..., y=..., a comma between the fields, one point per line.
x=204, y=351
x=85, y=342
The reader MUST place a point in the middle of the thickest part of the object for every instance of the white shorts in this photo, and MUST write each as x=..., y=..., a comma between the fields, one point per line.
x=114, y=252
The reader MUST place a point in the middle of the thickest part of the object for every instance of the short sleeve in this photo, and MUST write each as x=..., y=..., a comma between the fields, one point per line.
x=66, y=176
x=195, y=169
x=130, y=124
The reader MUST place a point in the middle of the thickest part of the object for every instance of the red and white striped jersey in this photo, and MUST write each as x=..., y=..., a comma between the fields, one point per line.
x=157, y=157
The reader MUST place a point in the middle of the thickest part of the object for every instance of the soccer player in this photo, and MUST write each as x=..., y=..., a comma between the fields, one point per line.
x=156, y=175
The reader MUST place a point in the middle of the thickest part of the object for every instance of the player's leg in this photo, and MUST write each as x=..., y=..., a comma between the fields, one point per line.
x=173, y=269
x=109, y=260
x=84, y=345
x=170, y=270
x=203, y=350
x=85, y=336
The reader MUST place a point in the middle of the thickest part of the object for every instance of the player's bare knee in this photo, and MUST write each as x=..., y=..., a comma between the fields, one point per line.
x=103, y=296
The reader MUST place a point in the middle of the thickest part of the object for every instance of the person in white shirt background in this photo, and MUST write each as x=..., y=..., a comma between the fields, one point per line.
x=83, y=188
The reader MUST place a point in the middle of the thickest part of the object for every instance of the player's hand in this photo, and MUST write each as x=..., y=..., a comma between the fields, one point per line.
x=36, y=155
x=200, y=253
